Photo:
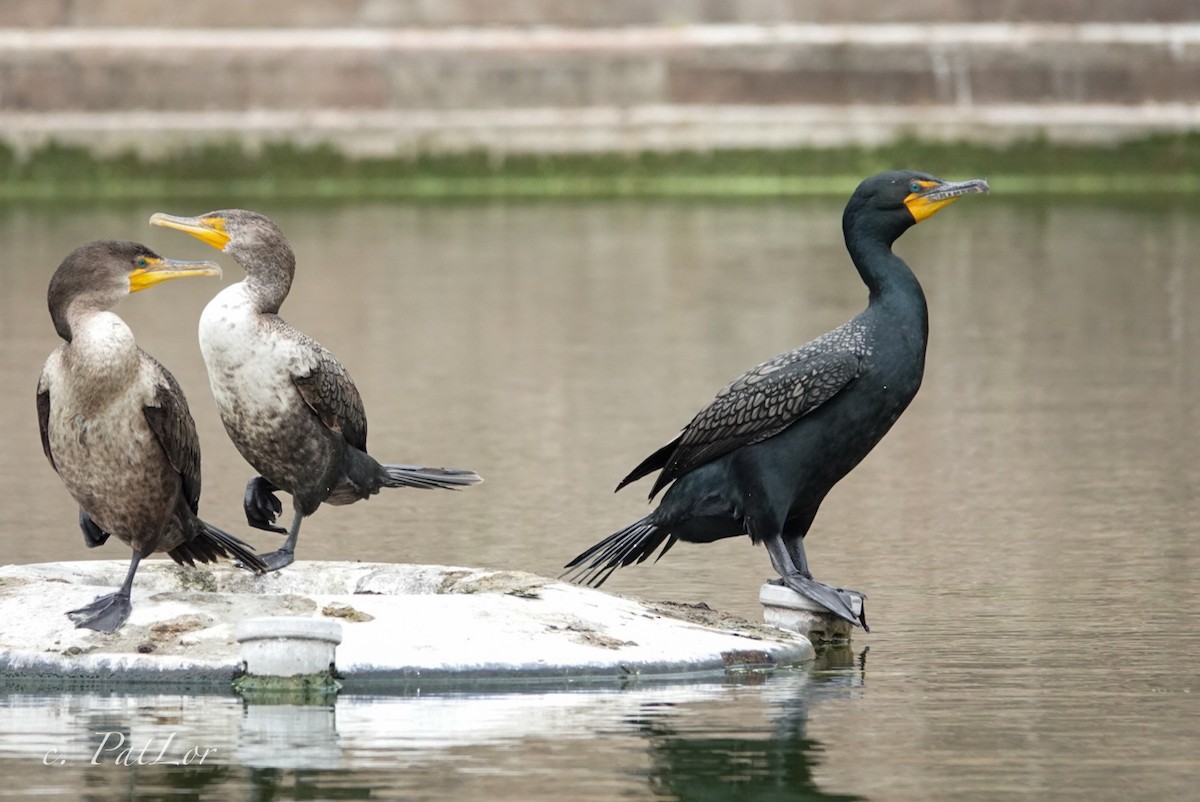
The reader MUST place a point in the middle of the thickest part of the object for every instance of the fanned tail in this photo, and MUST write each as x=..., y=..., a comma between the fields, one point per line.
x=633, y=544
x=429, y=478
x=210, y=544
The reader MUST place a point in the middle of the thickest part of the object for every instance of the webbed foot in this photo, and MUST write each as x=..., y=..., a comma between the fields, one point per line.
x=262, y=506
x=838, y=601
x=104, y=614
x=278, y=559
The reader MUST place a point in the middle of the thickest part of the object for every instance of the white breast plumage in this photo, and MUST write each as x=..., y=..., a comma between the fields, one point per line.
x=250, y=362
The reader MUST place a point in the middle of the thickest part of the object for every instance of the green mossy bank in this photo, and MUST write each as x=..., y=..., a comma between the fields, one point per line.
x=1156, y=165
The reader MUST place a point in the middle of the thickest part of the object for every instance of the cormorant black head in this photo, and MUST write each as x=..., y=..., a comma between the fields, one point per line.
x=95, y=276
x=885, y=205
x=250, y=238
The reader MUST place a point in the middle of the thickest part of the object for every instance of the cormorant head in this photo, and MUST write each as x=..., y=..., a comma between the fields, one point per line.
x=96, y=276
x=249, y=237
x=887, y=204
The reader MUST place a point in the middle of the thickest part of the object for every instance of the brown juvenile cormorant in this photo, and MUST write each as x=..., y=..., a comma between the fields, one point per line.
x=761, y=457
x=116, y=427
x=288, y=405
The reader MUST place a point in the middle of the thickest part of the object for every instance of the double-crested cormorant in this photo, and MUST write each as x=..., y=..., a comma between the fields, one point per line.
x=288, y=405
x=116, y=427
x=761, y=457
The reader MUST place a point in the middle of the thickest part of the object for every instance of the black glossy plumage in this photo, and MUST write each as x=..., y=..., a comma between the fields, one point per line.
x=760, y=458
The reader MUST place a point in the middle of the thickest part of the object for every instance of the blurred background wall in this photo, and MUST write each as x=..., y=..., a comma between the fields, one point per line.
x=380, y=77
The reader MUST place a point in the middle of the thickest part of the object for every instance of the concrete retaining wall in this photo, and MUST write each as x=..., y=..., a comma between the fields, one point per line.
x=404, y=90
x=119, y=70
x=570, y=13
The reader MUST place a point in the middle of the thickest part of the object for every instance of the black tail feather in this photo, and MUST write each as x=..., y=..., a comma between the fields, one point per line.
x=211, y=545
x=429, y=478
x=654, y=462
x=633, y=544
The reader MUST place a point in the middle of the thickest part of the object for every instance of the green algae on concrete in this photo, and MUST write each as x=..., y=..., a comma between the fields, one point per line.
x=1157, y=164
x=316, y=688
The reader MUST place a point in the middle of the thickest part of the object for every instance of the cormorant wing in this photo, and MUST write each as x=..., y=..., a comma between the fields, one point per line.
x=760, y=404
x=329, y=392
x=172, y=424
x=43, y=408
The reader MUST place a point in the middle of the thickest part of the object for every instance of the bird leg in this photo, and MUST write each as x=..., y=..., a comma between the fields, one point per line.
x=791, y=564
x=285, y=555
x=262, y=506
x=107, y=613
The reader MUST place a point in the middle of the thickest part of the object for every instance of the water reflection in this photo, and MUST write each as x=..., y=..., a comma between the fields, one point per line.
x=715, y=740
x=745, y=769
x=289, y=736
x=698, y=757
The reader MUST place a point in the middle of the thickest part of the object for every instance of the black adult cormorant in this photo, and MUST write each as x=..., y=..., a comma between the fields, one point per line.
x=759, y=459
x=116, y=427
x=287, y=403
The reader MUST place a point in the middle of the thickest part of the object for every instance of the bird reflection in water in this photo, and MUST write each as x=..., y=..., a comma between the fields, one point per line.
x=774, y=761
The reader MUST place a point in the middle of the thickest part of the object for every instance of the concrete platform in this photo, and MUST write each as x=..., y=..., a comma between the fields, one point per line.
x=787, y=609
x=399, y=623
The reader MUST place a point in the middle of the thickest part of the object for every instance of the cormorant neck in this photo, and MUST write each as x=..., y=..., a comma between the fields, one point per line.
x=269, y=273
x=101, y=353
x=884, y=273
x=71, y=311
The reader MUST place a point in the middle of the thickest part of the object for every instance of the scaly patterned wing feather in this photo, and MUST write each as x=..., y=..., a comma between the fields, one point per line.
x=760, y=404
x=329, y=392
x=172, y=424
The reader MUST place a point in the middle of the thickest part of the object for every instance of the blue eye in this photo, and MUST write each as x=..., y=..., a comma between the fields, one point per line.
x=141, y=262
x=914, y=187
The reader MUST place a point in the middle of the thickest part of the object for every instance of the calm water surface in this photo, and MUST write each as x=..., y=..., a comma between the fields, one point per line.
x=1026, y=531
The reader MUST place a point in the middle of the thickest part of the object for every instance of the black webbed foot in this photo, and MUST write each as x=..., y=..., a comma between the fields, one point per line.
x=838, y=601
x=278, y=559
x=104, y=614
x=262, y=506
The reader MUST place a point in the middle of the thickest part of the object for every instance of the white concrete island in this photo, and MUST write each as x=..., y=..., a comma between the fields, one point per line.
x=399, y=623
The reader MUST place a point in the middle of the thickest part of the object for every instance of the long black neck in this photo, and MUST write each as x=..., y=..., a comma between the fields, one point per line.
x=888, y=278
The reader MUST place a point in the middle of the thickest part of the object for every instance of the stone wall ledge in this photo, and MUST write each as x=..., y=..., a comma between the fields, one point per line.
x=577, y=13
x=153, y=39
x=574, y=89
x=590, y=130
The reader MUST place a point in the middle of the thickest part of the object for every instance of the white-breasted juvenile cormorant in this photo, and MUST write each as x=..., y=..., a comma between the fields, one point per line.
x=288, y=405
x=116, y=426
x=761, y=457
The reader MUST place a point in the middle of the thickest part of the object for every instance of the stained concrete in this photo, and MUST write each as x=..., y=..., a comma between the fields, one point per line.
x=88, y=70
x=378, y=90
x=573, y=13
x=398, y=622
